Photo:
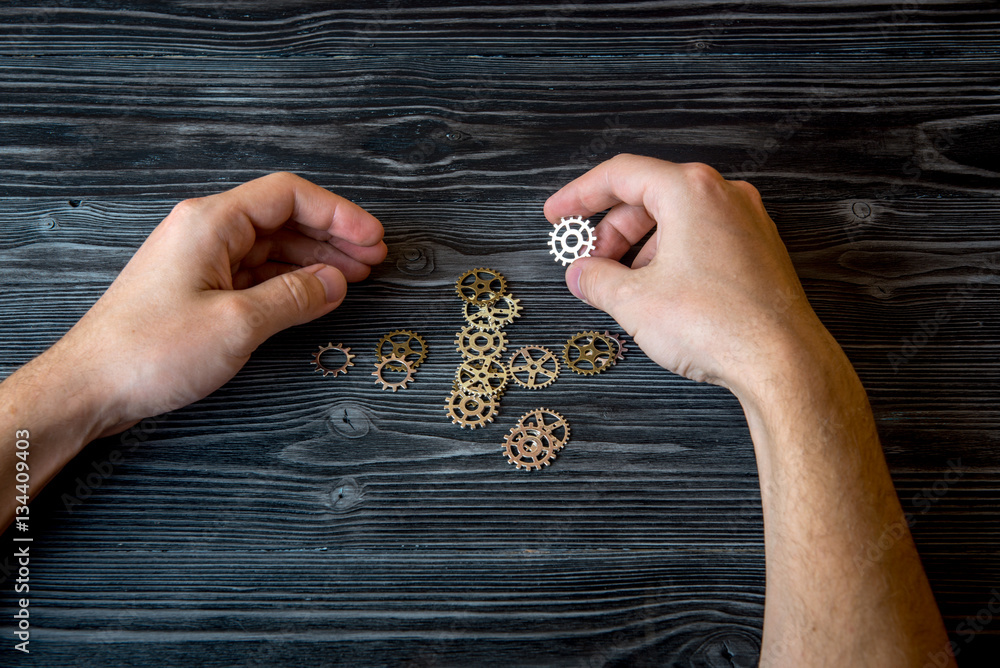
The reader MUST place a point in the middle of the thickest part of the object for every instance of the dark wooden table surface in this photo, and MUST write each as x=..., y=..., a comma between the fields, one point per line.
x=291, y=519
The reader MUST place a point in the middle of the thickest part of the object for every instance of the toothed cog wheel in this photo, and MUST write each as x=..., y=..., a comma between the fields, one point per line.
x=536, y=438
x=344, y=350
x=386, y=366
x=482, y=376
x=468, y=410
x=533, y=367
x=571, y=239
x=406, y=345
x=588, y=353
x=481, y=286
x=474, y=342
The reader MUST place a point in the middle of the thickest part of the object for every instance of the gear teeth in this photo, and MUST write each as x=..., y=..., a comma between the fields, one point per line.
x=318, y=362
x=584, y=237
x=473, y=294
x=387, y=363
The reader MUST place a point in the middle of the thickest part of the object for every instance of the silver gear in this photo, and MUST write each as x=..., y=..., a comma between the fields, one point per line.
x=571, y=239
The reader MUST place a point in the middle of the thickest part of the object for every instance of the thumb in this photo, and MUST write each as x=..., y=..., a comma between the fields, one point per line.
x=596, y=280
x=294, y=298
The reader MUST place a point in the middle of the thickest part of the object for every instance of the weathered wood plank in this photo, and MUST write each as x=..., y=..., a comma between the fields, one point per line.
x=301, y=27
x=475, y=129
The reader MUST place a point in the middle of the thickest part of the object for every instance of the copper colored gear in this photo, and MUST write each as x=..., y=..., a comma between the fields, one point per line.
x=387, y=364
x=530, y=363
x=529, y=448
x=334, y=370
x=475, y=342
x=482, y=376
x=401, y=343
x=481, y=286
x=620, y=348
x=492, y=317
x=468, y=410
x=548, y=421
x=588, y=353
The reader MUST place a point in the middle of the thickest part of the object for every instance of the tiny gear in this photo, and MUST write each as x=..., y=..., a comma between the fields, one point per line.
x=481, y=286
x=474, y=342
x=482, y=376
x=534, y=367
x=548, y=422
x=318, y=361
x=571, y=239
x=468, y=410
x=404, y=344
x=588, y=353
x=390, y=364
x=528, y=448
x=492, y=317
x=619, y=346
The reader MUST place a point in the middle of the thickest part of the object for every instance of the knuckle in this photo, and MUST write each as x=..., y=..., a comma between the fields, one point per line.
x=297, y=290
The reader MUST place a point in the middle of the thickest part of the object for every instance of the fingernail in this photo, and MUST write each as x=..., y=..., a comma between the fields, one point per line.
x=331, y=280
x=573, y=281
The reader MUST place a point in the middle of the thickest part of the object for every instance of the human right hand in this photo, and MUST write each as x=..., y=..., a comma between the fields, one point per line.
x=712, y=295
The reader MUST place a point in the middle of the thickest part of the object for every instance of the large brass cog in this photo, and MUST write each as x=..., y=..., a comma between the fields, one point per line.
x=405, y=344
x=482, y=376
x=468, y=410
x=533, y=367
x=474, y=342
x=481, y=286
x=588, y=353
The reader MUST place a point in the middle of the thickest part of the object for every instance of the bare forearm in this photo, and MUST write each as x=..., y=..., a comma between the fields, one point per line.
x=827, y=498
x=45, y=403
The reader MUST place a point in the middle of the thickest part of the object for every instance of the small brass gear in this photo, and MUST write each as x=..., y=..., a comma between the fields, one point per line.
x=475, y=342
x=492, y=317
x=482, y=376
x=533, y=367
x=481, y=286
x=405, y=344
x=318, y=361
x=528, y=449
x=548, y=421
x=389, y=364
x=588, y=353
x=468, y=410
x=620, y=348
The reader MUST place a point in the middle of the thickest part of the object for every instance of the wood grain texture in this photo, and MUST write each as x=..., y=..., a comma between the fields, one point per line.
x=291, y=519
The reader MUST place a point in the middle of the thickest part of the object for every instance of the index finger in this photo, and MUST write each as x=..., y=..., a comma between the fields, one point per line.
x=624, y=178
x=276, y=199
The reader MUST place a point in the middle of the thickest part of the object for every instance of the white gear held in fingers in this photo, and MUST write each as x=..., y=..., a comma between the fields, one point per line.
x=571, y=239
x=320, y=366
x=392, y=364
x=468, y=410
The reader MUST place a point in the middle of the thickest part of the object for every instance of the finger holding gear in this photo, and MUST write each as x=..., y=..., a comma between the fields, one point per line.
x=533, y=367
x=326, y=367
x=469, y=410
x=404, y=344
x=588, y=353
x=481, y=286
x=393, y=365
x=571, y=239
x=482, y=376
x=473, y=342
